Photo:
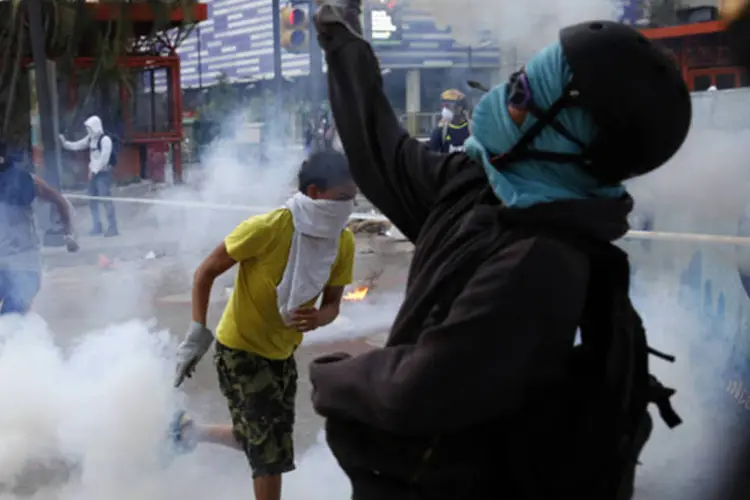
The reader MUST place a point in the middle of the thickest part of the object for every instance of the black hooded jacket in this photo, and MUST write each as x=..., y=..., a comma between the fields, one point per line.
x=493, y=302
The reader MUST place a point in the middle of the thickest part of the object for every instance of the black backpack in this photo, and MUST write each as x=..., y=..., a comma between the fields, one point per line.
x=115, y=148
x=593, y=452
x=611, y=385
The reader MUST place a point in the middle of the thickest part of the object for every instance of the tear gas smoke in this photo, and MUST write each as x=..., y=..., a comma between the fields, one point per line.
x=87, y=420
x=86, y=414
x=518, y=27
x=89, y=423
x=692, y=296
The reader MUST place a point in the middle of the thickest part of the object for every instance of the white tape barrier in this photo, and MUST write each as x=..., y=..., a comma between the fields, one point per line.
x=201, y=204
x=636, y=235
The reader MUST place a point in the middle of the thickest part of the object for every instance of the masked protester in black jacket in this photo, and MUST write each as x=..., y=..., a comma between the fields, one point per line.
x=482, y=391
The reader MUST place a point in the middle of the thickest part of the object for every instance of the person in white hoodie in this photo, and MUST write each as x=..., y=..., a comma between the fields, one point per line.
x=100, y=171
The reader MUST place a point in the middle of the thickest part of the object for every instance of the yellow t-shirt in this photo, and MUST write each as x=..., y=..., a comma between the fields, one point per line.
x=251, y=321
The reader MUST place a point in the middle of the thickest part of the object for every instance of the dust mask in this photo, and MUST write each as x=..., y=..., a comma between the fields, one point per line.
x=446, y=114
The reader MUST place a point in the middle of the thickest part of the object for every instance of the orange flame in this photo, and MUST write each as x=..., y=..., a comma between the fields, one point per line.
x=357, y=294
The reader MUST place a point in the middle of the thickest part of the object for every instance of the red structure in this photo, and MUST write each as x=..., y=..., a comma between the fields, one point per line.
x=149, y=105
x=702, y=51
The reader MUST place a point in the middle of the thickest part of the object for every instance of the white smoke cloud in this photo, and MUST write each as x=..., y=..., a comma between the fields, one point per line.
x=90, y=423
x=519, y=28
x=87, y=422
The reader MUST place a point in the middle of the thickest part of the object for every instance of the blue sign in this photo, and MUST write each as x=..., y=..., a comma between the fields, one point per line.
x=406, y=38
x=237, y=40
x=635, y=13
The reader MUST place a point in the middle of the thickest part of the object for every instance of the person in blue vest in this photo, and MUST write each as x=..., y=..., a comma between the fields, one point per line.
x=454, y=127
x=20, y=256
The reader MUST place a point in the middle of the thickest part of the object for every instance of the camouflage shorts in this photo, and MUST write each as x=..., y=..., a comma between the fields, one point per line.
x=261, y=394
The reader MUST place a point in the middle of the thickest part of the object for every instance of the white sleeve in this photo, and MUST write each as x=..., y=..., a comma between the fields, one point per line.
x=104, y=153
x=76, y=145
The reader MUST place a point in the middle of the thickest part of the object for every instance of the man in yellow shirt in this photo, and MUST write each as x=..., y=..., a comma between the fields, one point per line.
x=287, y=258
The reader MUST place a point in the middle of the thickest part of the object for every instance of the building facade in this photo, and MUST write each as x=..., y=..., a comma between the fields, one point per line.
x=237, y=40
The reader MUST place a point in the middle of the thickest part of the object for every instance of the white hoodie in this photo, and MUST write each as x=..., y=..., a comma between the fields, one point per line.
x=98, y=159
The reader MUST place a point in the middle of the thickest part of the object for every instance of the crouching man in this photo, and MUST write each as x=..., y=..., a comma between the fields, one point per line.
x=288, y=258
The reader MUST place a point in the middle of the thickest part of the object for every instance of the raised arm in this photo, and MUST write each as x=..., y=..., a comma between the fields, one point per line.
x=74, y=145
x=395, y=172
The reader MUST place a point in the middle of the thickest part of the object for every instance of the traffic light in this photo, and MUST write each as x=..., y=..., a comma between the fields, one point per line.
x=295, y=29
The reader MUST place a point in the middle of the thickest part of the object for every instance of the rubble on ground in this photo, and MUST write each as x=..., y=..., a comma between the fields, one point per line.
x=358, y=226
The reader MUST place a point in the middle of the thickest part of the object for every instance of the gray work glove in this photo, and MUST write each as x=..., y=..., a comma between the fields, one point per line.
x=198, y=340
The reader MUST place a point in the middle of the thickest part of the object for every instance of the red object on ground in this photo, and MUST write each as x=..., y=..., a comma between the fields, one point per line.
x=104, y=262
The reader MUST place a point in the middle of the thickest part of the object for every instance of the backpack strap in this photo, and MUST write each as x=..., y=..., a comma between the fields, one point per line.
x=660, y=396
x=611, y=277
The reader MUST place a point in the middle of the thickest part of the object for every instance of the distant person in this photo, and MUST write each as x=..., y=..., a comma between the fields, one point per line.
x=102, y=159
x=20, y=256
x=309, y=137
x=320, y=134
x=453, y=130
x=326, y=127
x=288, y=258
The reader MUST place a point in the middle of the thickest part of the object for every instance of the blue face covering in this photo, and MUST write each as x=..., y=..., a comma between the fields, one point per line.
x=529, y=182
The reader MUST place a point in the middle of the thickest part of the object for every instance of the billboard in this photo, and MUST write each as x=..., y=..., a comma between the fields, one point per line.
x=636, y=13
x=237, y=39
x=407, y=38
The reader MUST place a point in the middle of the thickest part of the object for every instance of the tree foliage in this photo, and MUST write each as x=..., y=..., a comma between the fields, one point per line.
x=71, y=31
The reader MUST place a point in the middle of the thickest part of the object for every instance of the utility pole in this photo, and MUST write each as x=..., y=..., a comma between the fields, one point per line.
x=53, y=232
x=278, y=78
x=317, y=84
x=271, y=121
x=43, y=90
x=200, y=60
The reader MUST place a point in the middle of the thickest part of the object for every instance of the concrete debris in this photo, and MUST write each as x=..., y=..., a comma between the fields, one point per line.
x=395, y=234
x=368, y=226
x=151, y=255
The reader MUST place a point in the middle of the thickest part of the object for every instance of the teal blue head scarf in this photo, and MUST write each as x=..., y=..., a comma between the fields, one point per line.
x=531, y=182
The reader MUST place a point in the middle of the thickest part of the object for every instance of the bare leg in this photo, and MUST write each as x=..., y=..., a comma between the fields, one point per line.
x=267, y=487
x=222, y=435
